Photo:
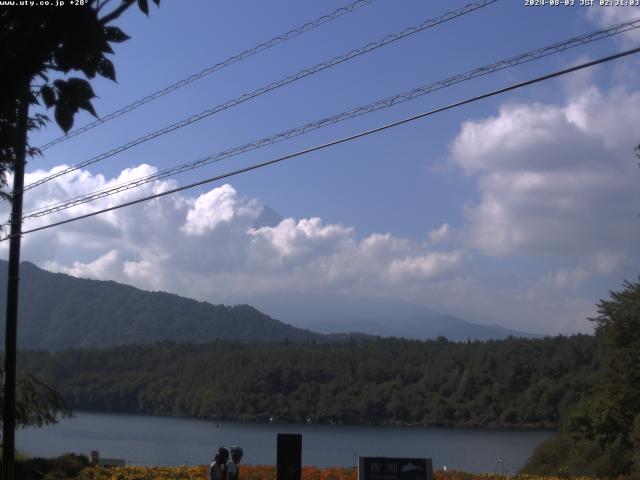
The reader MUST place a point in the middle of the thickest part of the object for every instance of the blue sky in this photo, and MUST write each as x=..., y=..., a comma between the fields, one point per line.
x=512, y=210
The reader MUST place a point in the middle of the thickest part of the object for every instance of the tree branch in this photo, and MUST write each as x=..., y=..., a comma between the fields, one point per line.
x=117, y=12
x=102, y=4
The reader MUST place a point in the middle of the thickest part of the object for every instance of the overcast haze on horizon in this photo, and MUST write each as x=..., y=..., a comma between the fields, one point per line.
x=521, y=210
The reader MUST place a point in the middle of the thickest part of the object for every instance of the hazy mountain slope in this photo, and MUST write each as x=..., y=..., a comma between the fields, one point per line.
x=59, y=311
x=457, y=329
x=424, y=327
x=384, y=317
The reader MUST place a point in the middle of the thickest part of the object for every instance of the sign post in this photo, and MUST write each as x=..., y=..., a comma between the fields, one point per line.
x=386, y=468
x=289, y=456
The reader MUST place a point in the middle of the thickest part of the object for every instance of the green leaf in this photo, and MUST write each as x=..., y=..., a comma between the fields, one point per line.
x=106, y=69
x=48, y=96
x=144, y=6
x=114, y=34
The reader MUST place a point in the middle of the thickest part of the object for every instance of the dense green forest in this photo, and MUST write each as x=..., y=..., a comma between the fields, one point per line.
x=600, y=435
x=507, y=383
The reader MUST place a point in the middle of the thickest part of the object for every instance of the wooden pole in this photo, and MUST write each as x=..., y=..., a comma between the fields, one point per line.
x=11, y=336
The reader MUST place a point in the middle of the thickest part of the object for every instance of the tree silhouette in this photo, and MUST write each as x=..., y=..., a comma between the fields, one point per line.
x=600, y=437
x=35, y=41
x=37, y=404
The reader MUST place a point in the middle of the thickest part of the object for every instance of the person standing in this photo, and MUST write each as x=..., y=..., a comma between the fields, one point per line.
x=218, y=468
x=233, y=468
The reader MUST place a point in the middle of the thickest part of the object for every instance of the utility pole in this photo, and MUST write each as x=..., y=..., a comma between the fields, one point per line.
x=11, y=335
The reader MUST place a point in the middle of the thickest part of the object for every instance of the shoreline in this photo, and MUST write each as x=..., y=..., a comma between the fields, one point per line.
x=156, y=440
x=498, y=428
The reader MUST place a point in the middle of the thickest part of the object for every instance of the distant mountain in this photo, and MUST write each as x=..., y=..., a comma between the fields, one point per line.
x=381, y=317
x=423, y=327
x=268, y=218
x=59, y=311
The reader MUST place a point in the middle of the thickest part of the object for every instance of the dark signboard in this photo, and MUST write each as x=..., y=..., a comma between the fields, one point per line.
x=386, y=468
x=289, y=456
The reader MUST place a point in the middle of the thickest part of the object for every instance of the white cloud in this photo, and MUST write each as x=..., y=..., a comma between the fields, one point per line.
x=604, y=16
x=207, y=247
x=570, y=278
x=439, y=234
x=292, y=241
x=217, y=206
x=424, y=267
x=557, y=209
x=555, y=179
x=105, y=267
x=606, y=263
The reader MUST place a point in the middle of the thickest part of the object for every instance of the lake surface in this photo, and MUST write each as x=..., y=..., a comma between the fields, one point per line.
x=149, y=440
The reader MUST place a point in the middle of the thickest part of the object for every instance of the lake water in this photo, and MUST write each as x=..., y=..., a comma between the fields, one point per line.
x=148, y=440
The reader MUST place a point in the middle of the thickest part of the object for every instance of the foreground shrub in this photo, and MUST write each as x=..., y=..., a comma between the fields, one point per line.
x=64, y=466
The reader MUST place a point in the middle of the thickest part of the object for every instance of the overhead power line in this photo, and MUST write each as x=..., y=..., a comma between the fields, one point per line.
x=338, y=141
x=212, y=69
x=362, y=110
x=280, y=83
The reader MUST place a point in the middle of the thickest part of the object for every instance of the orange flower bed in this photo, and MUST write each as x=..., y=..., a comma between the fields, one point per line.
x=247, y=472
x=267, y=472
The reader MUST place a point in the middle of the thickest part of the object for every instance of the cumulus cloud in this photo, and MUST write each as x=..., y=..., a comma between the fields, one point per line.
x=558, y=195
x=105, y=267
x=423, y=267
x=555, y=179
x=217, y=206
x=439, y=234
x=208, y=246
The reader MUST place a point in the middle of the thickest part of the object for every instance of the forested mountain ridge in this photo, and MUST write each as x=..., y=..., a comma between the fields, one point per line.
x=513, y=383
x=59, y=311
